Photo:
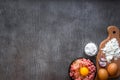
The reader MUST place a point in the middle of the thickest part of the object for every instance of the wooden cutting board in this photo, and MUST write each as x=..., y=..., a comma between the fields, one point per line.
x=113, y=32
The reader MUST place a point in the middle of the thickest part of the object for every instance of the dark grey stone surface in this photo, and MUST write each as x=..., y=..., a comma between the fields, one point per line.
x=39, y=39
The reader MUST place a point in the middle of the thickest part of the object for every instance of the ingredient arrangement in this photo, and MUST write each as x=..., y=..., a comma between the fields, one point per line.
x=107, y=59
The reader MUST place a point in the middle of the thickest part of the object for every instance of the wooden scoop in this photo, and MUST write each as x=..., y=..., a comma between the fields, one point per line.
x=113, y=32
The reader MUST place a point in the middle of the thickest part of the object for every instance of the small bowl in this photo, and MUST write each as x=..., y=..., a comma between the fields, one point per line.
x=91, y=49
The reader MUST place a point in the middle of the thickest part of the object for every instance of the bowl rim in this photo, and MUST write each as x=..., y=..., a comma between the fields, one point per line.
x=81, y=58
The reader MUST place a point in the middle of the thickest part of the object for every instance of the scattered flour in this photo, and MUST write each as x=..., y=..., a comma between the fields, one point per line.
x=111, y=50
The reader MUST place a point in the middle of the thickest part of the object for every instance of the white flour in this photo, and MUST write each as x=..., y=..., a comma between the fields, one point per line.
x=111, y=50
x=90, y=49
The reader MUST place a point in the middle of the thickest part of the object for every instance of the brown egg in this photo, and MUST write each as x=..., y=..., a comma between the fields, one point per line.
x=103, y=74
x=112, y=69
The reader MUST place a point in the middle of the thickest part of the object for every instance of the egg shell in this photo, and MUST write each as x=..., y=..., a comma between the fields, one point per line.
x=103, y=74
x=112, y=69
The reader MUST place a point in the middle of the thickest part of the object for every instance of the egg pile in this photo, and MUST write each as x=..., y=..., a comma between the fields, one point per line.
x=111, y=70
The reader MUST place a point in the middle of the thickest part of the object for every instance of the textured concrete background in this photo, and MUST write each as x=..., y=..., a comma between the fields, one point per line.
x=39, y=39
